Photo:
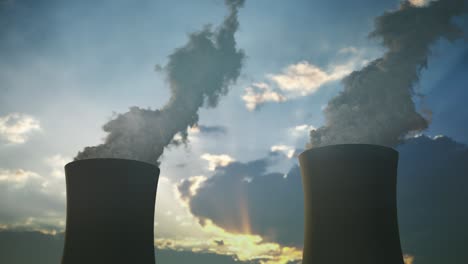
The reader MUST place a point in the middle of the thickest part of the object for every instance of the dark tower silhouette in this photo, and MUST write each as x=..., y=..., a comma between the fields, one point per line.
x=350, y=205
x=110, y=212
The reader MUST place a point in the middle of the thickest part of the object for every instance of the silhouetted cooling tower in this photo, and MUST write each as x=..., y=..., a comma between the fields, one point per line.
x=350, y=205
x=110, y=212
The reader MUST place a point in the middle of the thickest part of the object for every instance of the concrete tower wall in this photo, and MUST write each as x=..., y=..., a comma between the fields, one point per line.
x=110, y=212
x=350, y=205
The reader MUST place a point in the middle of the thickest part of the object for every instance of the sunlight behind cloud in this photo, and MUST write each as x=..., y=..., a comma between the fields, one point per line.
x=243, y=247
x=214, y=161
x=287, y=150
x=196, y=182
x=303, y=78
x=189, y=233
x=420, y=3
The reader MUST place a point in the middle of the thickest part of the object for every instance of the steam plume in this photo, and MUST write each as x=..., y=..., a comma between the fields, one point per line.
x=198, y=74
x=376, y=104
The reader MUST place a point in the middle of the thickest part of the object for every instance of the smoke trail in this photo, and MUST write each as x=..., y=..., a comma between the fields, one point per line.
x=198, y=74
x=376, y=104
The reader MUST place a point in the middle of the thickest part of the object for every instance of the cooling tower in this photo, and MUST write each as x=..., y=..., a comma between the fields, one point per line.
x=350, y=205
x=110, y=212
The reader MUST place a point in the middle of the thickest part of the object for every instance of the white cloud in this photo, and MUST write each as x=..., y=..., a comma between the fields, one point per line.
x=287, y=150
x=420, y=3
x=417, y=134
x=16, y=127
x=52, y=183
x=26, y=201
x=217, y=160
x=258, y=93
x=301, y=79
x=301, y=130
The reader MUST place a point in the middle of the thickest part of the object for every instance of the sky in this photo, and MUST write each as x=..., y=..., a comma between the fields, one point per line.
x=253, y=80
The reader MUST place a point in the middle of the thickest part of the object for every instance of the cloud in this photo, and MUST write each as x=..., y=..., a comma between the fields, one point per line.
x=32, y=200
x=302, y=79
x=16, y=178
x=242, y=247
x=215, y=161
x=26, y=202
x=420, y=3
x=188, y=187
x=176, y=256
x=198, y=74
x=432, y=184
x=251, y=217
x=57, y=163
x=288, y=151
x=259, y=93
x=376, y=104
x=298, y=80
x=47, y=249
x=41, y=248
x=268, y=204
x=301, y=130
x=206, y=238
x=16, y=127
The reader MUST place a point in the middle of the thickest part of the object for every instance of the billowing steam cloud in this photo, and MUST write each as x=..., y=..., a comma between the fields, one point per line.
x=198, y=74
x=376, y=104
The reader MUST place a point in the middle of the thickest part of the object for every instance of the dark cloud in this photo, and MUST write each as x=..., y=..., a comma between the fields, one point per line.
x=198, y=73
x=38, y=248
x=30, y=247
x=244, y=198
x=432, y=195
x=212, y=129
x=376, y=104
x=184, y=188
